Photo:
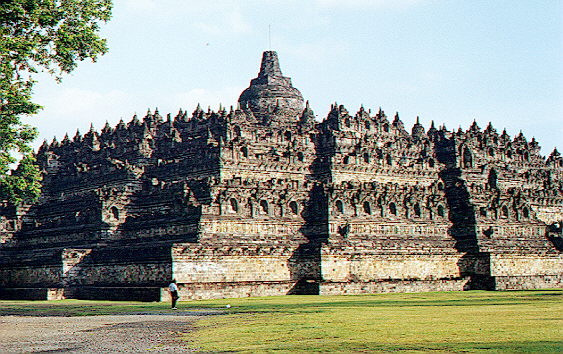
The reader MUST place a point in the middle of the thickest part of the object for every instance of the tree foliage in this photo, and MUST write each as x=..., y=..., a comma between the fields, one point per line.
x=38, y=35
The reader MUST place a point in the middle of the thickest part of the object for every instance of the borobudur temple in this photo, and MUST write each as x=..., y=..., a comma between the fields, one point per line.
x=263, y=199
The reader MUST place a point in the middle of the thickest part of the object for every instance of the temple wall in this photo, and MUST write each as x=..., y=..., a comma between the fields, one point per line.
x=127, y=273
x=38, y=293
x=86, y=274
x=170, y=228
x=249, y=230
x=396, y=286
x=224, y=272
x=213, y=272
x=526, y=271
x=116, y=293
x=222, y=290
x=48, y=275
x=345, y=266
x=39, y=268
x=196, y=264
x=529, y=282
x=525, y=265
x=258, y=173
x=367, y=175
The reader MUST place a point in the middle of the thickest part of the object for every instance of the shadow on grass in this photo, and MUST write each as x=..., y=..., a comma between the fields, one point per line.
x=64, y=309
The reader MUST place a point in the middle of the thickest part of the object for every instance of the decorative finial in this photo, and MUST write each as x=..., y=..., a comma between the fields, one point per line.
x=270, y=65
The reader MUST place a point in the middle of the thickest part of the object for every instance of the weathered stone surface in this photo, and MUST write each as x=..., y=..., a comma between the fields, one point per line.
x=264, y=200
x=271, y=91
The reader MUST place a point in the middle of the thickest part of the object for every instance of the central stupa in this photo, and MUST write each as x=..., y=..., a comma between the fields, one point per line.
x=271, y=90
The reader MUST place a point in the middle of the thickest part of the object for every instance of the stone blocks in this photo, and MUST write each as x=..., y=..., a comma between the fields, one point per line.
x=263, y=199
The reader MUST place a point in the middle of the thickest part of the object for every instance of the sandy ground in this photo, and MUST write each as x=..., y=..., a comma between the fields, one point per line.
x=96, y=334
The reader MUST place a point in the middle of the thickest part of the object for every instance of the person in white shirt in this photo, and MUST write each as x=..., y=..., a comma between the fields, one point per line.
x=173, y=288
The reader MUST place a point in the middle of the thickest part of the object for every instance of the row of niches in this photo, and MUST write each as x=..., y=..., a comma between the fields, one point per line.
x=367, y=126
x=391, y=210
x=385, y=159
x=468, y=158
x=552, y=202
x=551, y=178
x=389, y=187
x=350, y=159
x=364, y=121
x=253, y=208
x=543, y=196
x=505, y=212
x=272, y=153
x=271, y=183
x=270, y=135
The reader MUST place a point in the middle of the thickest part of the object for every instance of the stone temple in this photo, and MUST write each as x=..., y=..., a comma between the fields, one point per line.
x=264, y=200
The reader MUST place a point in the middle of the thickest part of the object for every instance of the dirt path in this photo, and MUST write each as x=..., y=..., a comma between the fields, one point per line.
x=96, y=334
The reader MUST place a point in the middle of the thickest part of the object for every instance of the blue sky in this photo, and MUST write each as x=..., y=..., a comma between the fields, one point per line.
x=447, y=61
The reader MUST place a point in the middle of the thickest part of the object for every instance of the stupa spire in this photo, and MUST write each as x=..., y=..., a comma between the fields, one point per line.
x=270, y=65
x=271, y=90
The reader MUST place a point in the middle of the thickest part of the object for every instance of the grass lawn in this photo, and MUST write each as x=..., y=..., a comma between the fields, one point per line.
x=455, y=321
x=516, y=321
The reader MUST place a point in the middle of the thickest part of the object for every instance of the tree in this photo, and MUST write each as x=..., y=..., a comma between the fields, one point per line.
x=38, y=35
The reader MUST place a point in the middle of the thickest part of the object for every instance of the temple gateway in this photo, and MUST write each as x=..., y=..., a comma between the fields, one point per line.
x=265, y=200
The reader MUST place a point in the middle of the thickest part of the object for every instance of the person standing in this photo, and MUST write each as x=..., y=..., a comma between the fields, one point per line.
x=173, y=288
